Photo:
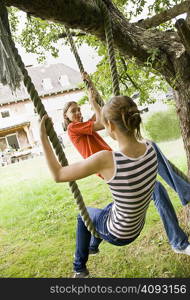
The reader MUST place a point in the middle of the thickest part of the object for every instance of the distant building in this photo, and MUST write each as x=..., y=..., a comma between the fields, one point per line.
x=19, y=123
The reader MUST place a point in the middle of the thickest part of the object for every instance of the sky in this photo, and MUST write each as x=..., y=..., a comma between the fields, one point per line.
x=88, y=56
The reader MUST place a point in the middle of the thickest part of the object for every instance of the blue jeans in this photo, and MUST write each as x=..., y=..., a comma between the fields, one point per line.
x=178, y=184
x=84, y=240
x=177, y=238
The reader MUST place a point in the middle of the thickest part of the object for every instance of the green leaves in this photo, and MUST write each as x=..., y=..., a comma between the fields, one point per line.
x=40, y=37
x=13, y=19
x=133, y=79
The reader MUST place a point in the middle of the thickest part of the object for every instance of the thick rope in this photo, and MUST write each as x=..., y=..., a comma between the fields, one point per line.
x=52, y=136
x=55, y=142
x=110, y=44
x=78, y=60
x=9, y=71
x=74, y=49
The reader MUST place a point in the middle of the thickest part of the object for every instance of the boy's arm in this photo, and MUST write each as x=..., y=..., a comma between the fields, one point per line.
x=94, y=95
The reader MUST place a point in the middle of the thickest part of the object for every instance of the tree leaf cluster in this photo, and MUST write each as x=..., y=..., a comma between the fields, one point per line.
x=40, y=36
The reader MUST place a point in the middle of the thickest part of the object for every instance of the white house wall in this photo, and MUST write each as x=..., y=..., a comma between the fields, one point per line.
x=23, y=111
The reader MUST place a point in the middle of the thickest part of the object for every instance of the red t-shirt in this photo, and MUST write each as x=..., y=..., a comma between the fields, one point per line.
x=85, y=139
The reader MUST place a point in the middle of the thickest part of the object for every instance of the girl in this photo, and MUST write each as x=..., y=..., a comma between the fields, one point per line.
x=130, y=173
x=87, y=141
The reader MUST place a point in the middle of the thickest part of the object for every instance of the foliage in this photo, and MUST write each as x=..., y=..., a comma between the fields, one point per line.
x=13, y=18
x=83, y=100
x=40, y=36
x=163, y=125
x=133, y=79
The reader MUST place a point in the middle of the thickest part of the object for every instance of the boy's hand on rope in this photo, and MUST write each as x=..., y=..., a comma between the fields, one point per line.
x=87, y=80
x=93, y=94
x=85, y=76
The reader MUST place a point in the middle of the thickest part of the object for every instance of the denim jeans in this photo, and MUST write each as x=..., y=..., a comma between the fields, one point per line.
x=176, y=237
x=178, y=184
x=84, y=240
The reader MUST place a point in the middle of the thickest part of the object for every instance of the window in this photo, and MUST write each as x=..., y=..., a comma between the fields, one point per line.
x=5, y=114
x=46, y=83
x=64, y=80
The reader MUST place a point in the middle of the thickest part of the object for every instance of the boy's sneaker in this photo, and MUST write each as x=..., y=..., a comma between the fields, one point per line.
x=83, y=274
x=93, y=252
x=184, y=251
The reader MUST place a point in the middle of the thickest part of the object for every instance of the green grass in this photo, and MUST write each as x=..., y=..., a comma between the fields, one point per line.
x=38, y=220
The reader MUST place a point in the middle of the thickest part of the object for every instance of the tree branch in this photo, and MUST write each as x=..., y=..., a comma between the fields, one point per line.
x=65, y=12
x=129, y=39
x=74, y=34
x=127, y=75
x=165, y=15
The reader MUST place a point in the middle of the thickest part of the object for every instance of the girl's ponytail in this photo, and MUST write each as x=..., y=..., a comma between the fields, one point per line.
x=123, y=111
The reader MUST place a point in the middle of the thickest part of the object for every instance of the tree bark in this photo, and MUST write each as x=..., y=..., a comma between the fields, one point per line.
x=165, y=15
x=182, y=97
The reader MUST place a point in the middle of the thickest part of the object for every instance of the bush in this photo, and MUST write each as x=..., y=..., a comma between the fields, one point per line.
x=163, y=126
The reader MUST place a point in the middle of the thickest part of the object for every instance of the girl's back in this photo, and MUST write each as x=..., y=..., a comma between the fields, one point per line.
x=131, y=186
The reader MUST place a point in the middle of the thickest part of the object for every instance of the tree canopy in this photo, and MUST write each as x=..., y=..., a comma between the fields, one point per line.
x=148, y=50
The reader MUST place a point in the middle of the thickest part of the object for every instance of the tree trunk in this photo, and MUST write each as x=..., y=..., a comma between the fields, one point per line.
x=182, y=97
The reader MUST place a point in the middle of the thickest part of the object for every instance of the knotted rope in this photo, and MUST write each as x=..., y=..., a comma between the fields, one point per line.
x=110, y=46
x=78, y=60
x=51, y=134
x=9, y=71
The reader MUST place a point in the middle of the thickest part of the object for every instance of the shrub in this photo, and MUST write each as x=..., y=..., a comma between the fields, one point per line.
x=163, y=126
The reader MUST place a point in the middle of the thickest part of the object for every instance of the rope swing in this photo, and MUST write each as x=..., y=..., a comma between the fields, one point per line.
x=110, y=47
x=12, y=71
x=9, y=71
x=49, y=127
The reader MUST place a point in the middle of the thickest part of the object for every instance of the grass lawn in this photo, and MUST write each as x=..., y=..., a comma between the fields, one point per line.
x=38, y=219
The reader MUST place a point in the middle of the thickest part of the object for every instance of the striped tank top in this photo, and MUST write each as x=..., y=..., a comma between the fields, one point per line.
x=131, y=186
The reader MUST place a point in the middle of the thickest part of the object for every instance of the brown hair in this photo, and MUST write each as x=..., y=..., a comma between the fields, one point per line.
x=123, y=111
x=66, y=120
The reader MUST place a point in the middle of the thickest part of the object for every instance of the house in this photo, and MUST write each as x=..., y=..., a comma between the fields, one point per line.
x=19, y=123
